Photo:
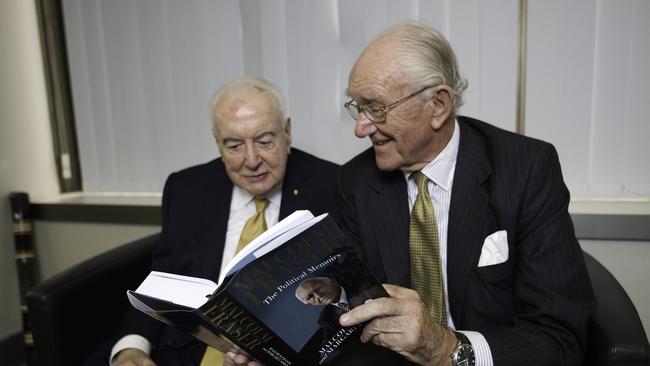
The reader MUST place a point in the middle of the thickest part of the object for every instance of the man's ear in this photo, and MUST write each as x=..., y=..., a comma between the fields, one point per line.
x=442, y=106
x=216, y=139
x=287, y=131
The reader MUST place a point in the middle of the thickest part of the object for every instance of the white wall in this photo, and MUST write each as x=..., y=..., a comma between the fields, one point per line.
x=26, y=155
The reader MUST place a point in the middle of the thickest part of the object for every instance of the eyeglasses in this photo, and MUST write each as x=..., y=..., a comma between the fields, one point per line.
x=377, y=113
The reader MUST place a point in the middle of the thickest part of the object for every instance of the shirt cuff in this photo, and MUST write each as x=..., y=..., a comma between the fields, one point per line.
x=482, y=353
x=129, y=341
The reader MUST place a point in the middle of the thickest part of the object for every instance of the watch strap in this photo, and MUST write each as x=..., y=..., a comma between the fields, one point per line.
x=464, y=353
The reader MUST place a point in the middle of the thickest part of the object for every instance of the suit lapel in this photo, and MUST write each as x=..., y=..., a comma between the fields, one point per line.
x=388, y=200
x=296, y=194
x=216, y=209
x=469, y=215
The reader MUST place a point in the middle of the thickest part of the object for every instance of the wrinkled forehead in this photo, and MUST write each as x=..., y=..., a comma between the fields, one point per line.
x=245, y=101
x=377, y=69
x=251, y=106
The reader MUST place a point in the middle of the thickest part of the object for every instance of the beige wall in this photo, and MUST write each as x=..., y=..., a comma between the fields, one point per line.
x=26, y=157
x=64, y=244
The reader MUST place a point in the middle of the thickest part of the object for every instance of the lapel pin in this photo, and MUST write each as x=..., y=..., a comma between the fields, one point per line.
x=296, y=191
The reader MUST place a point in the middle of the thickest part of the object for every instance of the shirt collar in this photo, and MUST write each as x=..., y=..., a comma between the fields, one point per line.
x=441, y=169
x=343, y=299
x=241, y=197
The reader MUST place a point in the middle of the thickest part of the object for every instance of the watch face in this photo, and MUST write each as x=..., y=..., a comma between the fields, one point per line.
x=464, y=355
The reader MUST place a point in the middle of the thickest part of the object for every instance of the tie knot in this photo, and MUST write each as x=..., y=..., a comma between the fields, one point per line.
x=260, y=204
x=421, y=181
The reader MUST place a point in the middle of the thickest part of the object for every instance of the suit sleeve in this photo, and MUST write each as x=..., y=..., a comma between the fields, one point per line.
x=349, y=220
x=553, y=295
x=162, y=259
x=135, y=321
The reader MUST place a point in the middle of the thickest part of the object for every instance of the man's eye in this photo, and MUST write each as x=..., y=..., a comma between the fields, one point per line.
x=265, y=143
x=371, y=108
x=234, y=146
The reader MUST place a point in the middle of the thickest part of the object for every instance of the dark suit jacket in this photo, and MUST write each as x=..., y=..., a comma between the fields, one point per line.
x=351, y=273
x=196, y=205
x=535, y=306
x=329, y=318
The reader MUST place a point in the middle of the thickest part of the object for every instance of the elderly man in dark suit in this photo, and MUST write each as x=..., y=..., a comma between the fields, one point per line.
x=468, y=222
x=207, y=208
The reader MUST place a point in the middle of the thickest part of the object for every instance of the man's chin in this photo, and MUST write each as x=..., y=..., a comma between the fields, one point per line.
x=258, y=192
x=259, y=189
x=386, y=165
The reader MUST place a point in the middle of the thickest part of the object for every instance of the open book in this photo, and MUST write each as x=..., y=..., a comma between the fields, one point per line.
x=279, y=299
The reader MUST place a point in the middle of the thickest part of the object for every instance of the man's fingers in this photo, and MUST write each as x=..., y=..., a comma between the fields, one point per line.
x=398, y=292
x=239, y=357
x=133, y=357
x=403, y=301
x=372, y=309
x=387, y=326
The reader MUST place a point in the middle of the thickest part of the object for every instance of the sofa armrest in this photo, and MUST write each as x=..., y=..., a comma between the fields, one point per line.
x=616, y=335
x=73, y=311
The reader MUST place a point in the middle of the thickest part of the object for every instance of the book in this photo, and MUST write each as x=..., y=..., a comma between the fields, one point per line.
x=278, y=299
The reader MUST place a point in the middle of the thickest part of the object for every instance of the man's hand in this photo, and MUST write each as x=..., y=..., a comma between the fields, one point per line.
x=237, y=356
x=403, y=324
x=133, y=357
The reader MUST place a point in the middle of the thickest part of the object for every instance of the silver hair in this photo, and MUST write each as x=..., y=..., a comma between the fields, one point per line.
x=248, y=82
x=309, y=281
x=427, y=57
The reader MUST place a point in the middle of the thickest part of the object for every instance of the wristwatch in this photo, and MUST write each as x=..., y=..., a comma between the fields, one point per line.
x=464, y=353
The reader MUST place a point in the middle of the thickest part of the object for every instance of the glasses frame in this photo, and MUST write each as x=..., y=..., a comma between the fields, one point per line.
x=354, y=108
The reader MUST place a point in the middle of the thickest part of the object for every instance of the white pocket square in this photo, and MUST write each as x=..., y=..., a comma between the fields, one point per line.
x=495, y=249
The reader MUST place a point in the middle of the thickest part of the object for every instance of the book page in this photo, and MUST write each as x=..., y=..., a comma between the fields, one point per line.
x=296, y=218
x=271, y=244
x=182, y=290
x=283, y=238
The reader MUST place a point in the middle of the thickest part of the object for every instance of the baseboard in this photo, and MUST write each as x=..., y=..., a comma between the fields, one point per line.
x=12, y=350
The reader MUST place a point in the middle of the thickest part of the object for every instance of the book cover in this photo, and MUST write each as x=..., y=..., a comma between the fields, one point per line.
x=279, y=299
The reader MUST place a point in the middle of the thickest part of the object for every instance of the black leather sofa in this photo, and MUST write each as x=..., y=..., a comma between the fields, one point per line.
x=616, y=335
x=73, y=311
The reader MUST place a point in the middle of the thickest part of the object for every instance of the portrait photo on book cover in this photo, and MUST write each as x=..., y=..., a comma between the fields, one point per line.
x=312, y=292
x=339, y=287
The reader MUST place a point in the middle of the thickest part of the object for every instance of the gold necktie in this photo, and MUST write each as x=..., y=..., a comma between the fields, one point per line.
x=426, y=271
x=254, y=226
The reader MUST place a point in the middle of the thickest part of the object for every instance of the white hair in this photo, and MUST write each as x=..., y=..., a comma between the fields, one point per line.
x=427, y=57
x=249, y=82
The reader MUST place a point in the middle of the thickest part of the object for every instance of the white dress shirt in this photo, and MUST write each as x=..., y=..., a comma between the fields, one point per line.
x=440, y=172
x=242, y=207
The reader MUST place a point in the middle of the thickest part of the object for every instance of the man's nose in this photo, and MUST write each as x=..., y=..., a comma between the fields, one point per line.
x=252, y=156
x=364, y=127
